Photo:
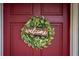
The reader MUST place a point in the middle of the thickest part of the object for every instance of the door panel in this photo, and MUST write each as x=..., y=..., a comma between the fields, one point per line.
x=18, y=47
x=56, y=47
x=21, y=9
x=16, y=15
x=52, y=9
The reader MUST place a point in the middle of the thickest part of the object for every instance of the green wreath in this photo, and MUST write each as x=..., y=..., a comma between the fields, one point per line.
x=37, y=32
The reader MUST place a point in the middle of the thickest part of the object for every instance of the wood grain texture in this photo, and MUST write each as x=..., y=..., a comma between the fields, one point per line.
x=16, y=15
x=21, y=9
x=46, y=9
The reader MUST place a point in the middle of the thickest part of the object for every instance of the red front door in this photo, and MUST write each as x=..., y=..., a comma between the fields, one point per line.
x=15, y=16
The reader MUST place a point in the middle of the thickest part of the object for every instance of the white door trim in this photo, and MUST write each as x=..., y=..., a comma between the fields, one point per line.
x=1, y=29
x=73, y=29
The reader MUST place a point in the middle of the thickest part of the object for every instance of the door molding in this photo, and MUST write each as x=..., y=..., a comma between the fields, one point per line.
x=73, y=29
x=1, y=29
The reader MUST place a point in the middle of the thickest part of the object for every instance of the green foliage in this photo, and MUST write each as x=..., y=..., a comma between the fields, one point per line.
x=37, y=41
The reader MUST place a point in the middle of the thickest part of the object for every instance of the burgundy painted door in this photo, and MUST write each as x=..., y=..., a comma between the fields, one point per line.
x=15, y=16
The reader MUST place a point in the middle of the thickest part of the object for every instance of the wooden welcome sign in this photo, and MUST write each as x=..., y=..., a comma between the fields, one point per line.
x=37, y=31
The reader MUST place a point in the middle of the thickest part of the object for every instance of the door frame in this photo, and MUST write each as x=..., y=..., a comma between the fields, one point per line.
x=73, y=29
x=1, y=29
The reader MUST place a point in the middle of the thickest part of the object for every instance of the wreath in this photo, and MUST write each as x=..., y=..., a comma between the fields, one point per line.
x=37, y=32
